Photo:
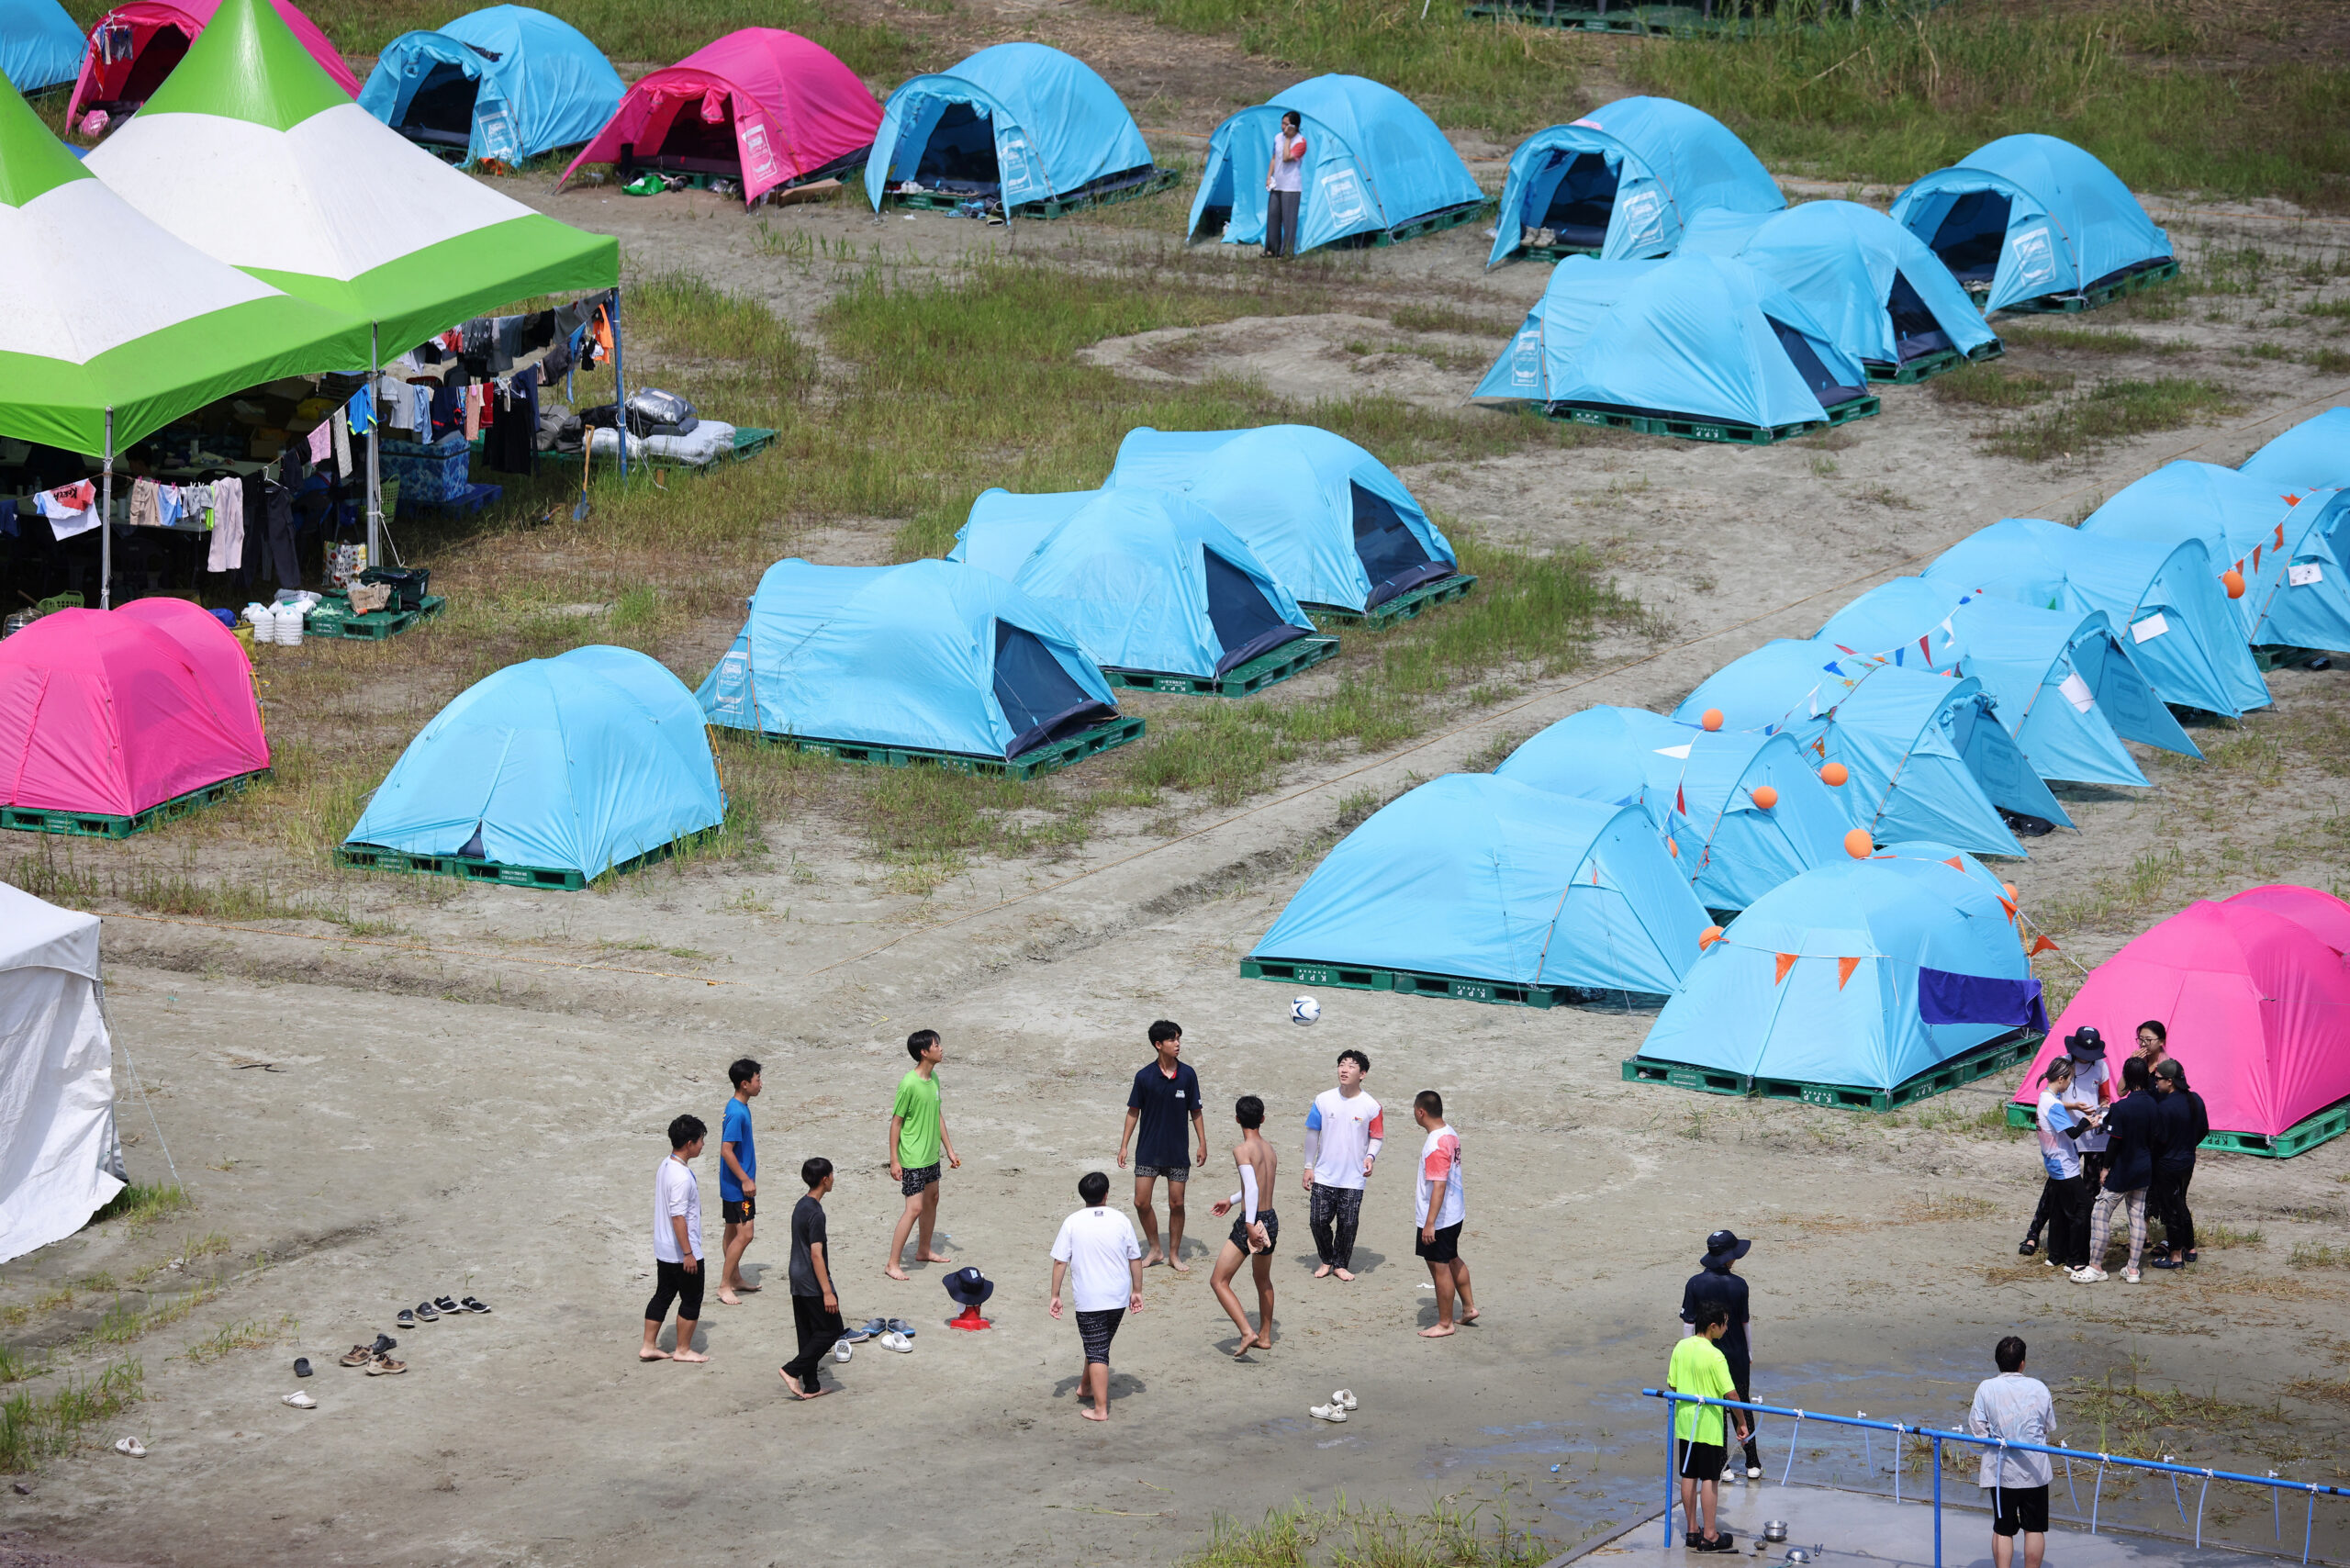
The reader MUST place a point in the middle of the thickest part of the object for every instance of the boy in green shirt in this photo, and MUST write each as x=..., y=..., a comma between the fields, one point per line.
x=1699, y=1368
x=917, y=1136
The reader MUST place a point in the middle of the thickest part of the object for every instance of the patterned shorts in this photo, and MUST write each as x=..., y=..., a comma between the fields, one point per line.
x=913, y=1181
x=1266, y=1217
x=1171, y=1172
x=1097, y=1329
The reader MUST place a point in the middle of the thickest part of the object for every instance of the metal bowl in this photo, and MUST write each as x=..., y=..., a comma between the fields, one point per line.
x=1774, y=1529
x=1800, y=1554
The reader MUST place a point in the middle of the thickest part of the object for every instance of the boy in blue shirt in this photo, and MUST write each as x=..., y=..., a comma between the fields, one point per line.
x=738, y=1178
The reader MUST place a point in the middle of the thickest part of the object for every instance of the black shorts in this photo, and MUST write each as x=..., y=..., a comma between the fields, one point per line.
x=2021, y=1509
x=913, y=1181
x=1444, y=1248
x=1266, y=1217
x=738, y=1211
x=1179, y=1175
x=1703, y=1462
x=1097, y=1329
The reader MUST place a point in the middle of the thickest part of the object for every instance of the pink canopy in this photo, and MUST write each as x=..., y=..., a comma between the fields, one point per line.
x=793, y=107
x=2255, y=993
x=160, y=31
x=112, y=711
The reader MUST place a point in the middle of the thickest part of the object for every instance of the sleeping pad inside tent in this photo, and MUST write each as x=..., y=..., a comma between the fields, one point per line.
x=1863, y=985
x=1486, y=890
x=928, y=662
x=1622, y=182
x=548, y=774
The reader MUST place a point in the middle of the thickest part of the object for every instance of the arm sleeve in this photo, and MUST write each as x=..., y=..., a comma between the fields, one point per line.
x=1313, y=1133
x=1378, y=1134
x=1248, y=1192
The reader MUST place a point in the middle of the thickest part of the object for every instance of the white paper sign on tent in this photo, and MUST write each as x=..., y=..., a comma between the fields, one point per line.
x=2151, y=627
x=2076, y=691
x=2301, y=573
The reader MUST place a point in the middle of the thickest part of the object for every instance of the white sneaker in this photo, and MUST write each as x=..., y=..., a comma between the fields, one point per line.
x=841, y=1352
x=1332, y=1413
x=2088, y=1274
x=1754, y=1472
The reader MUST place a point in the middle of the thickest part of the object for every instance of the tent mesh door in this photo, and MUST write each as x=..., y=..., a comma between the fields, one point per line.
x=1815, y=373
x=1581, y=202
x=1391, y=556
x=960, y=154
x=441, y=111
x=1245, y=622
x=1915, y=330
x=1040, y=699
x=1972, y=234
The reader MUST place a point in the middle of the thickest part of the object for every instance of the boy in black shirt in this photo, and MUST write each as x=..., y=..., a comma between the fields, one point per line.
x=815, y=1309
x=1715, y=1284
x=1166, y=1095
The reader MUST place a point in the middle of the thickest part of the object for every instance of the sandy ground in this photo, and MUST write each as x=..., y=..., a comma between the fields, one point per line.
x=474, y=1105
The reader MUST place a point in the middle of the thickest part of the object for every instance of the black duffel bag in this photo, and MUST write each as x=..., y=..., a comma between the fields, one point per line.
x=408, y=587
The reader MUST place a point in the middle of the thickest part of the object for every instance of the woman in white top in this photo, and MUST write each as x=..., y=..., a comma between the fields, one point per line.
x=1284, y=188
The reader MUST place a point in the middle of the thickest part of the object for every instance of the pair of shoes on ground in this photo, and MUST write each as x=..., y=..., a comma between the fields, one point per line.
x=1341, y=1401
x=2167, y=1263
x=2089, y=1274
x=376, y=1358
x=440, y=1306
x=879, y=1329
x=1723, y=1541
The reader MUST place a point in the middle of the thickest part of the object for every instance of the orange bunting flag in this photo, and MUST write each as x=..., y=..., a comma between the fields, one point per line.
x=2280, y=536
x=2009, y=905
x=2255, y=558
x=1955, y=864
x=1786, y=962
x=1844, y=967
x=2042, y=945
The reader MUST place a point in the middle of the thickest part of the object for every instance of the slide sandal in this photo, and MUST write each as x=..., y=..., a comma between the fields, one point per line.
x=472, y=1305
x=300, y=1402
x=899, y=1325
x=894, y=1340
x=425, y=1313
x=407, y=1319
x=130, y=1446
x=301, y=1366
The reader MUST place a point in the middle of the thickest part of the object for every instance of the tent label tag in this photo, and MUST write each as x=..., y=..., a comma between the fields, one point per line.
x=495, y=130
x=2302, y=574
x=2151, y=627
x=1342, y=195
x=2035, y=259
x=2076, y=691
x=1642, y=214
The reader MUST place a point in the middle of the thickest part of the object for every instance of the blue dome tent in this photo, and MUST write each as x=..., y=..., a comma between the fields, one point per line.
x=1925, y=756
x=1377, y=169
x=2312, y=455
x=1151, y=586
x=1016, y=123
x=1881, y=296
x=2250, y=531
x=1490, y=891
x=1700, y=347
x=548, y=774
x=1333, y=524
x=2065, y=686
x=2034, y=223
x=1866, y=985
x=2182, y=633
x=928, y=661
x=1698, y=789
x=507, y=83
x=39, y=45
x=1622, y=182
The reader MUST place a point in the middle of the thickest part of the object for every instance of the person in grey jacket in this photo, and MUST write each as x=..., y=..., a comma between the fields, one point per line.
x=2019, y=1409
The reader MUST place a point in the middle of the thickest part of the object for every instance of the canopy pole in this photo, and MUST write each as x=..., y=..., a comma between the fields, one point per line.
x=620, y=384
x=374, y=440
x=105, y=519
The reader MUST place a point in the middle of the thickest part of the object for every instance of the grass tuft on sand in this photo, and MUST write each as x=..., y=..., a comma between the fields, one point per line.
x=37, y=1426
x=1446, y=1534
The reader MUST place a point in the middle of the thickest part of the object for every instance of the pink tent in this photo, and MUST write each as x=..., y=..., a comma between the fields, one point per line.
x=160, y=31
x=762, y=105
x=2255, y=993
x=112, y=711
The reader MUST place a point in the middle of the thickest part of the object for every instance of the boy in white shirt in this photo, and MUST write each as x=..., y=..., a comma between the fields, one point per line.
x=1343, y=1131
x=677, y=1245
x=1097, y=1246
x=1443, y=1207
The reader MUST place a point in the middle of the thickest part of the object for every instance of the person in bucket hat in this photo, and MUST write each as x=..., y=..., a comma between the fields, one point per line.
x=1715, y=1283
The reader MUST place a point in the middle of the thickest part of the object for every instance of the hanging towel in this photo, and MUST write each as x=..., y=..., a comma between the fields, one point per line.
x=144, y=511
x=227, y=526
x=321, y=442
x=473, y=409
x=341, y=444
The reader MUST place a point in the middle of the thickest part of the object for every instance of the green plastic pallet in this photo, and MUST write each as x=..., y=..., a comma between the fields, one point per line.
x=1028, y=765
x=2299, y=1138
x=1293, y=657
x=473, y=869
x=374, y=626
x=1420, y=983
x=1434, y=223
x=1712, y=429
x=1402, y=607
x=1555, y=252
x=1037, y=211
x=94, y=825
x=2278, y=657
x=1988, y=1058
x=2104, y=294
x=1927, y=366
x=1650, y=21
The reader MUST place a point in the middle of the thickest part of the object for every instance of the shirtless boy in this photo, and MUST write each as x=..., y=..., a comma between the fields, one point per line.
x=1254, y=1232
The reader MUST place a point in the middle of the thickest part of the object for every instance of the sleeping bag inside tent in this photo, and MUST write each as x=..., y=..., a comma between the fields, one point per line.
x=1376, y=170
x=1873, y=287
x=761, y=106
x=116, y=720
x=60, y=1159
x=2258, y=983
x=1741, y=813
x=2312, y=455
x=930, y=661
x=1152, y=587
x=1333, y=524
x=2166, y=594
x=40, y=47
x=1923, y=755
x=548, y=774
x=1486, y=890
x=1022, y=126
x=2275, y=559
x=1701, y=347
x=2065, y=686
x=1621, y=182
x=2034, y=223
x=1865, y=985
x=135, y=47
x=507, y=83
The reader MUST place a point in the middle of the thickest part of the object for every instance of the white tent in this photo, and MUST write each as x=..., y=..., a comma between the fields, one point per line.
x=59, y=1159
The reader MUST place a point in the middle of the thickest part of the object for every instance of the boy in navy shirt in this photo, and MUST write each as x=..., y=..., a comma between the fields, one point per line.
x=1165, y=1095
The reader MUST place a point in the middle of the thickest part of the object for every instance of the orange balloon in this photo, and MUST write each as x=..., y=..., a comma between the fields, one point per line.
x=1858, y=845
x=2233, y=580
x=1711, y=719
x=2008, y=888
x=1765, y=797
x=1709, y=936
x=1833, y=775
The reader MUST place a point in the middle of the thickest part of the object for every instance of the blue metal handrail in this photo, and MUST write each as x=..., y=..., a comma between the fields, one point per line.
x=1937, y=1436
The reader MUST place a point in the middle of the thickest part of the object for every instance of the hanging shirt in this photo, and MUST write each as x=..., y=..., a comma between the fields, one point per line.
x=228, y=550
x=144, y=512
x=362, y=411
x=71, y=509
x=321, y=442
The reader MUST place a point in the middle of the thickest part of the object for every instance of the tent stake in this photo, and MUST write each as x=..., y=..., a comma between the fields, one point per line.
x=105, y=519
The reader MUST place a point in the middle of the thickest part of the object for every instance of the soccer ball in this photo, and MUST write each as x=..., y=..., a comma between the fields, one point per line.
x=1304, y=1009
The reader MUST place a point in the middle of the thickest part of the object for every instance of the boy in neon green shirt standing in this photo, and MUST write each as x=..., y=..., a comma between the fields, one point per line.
x=1700, y=1369
x=917, y=1139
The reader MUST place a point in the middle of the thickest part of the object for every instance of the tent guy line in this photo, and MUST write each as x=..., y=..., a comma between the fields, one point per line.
x=1492, y=716
x=409, y=947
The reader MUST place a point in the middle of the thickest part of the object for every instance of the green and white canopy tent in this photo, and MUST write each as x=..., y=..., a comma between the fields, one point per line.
x=114, y=327
x=251, y=153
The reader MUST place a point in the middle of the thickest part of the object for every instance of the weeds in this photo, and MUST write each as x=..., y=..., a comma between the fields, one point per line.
x=246, y=1334
x=1992, y=385
x=143, y=1206
x=2317, y=1255
x=2222, y=1236
x=36, y=1426
x=1446, y=1535
x=2084, y=340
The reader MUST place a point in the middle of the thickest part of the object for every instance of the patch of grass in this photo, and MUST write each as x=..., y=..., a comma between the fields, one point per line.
x=2222, y=1236
x=2114, y=411
x=143, y=1204
x=2318, y=1255
x=1444, y=319
x=2121, y=898
x=36, y=1427
x=246, y=1334
x=1994, y=385
x=1346, y=1535
x=2084, y=339
x=2144, y=1422
x=14, y=1368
